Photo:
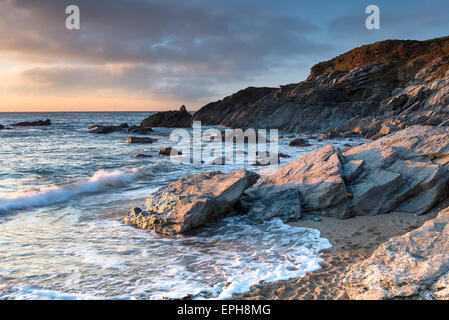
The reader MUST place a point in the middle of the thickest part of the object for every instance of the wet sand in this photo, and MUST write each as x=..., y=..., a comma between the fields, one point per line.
x=352, y=240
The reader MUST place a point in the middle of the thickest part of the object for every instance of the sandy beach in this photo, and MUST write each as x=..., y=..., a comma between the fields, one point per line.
x=352, y=240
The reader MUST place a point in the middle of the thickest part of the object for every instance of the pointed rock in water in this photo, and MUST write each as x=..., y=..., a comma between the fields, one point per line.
x=191, y=202
x=140, y=140
x=415, y=265
x=169, y=119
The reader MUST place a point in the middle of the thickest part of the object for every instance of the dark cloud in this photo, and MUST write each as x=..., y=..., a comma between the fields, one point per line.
x=188, y=49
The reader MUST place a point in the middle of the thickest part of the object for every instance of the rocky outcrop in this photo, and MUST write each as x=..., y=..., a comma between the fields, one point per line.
x=221, y=112
x=371, y=91
x=169, y=119
x=33, y=123
x=415, y=265
x=140, y=140
x=406, y=171
x=191, y=202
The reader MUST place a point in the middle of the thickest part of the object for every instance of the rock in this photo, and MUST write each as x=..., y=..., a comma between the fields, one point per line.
x=404, y=171
x=220, y=161
x=415, y=265
x=1, y=127
x=33, y=123
x=191, y=202
x=169, y=152
x=139, y=130
x=140, y=140
x=142, y=155
x=108, y=129
x=271, y=201
x=169, y=119
x=319, y=177
x=312, y=218
x=299, y=142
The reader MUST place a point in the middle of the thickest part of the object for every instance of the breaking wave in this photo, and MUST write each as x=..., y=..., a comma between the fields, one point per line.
x=99, y=182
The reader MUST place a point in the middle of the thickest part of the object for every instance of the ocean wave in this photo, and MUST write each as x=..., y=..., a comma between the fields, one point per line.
x=101, y=181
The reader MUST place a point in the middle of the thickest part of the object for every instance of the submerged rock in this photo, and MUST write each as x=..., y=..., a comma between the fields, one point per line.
x=415, y=265
x=32, y=123
x=169, y=119
x=142, y=155
x=192, y=201
x=140, y=140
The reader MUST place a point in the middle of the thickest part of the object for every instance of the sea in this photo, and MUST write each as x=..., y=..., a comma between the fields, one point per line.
x=64, y=192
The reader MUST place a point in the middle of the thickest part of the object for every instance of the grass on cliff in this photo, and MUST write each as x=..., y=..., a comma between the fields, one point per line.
x=402, y=57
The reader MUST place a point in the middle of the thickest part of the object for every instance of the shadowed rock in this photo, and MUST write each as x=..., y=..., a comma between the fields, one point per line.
x=299, y=142
x=169, y=119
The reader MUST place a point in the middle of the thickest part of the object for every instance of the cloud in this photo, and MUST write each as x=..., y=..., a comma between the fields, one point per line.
x=193, y=50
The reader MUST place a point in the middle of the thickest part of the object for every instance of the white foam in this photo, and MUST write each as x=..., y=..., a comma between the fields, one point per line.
x=99, y=182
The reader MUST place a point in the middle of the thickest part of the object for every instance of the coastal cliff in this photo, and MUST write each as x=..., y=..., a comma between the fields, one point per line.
x=371, y=91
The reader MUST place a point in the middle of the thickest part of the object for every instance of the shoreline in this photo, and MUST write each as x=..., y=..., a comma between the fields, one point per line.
x=353, y=240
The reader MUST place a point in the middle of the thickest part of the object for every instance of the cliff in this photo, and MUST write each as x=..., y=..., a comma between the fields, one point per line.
x=372, y=91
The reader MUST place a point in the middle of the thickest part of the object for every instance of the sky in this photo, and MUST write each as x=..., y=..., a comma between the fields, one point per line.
x=159, y=54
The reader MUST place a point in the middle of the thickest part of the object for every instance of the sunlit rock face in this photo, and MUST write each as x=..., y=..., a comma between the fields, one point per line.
x=415, y=265
x=191, y=202
x=406, y=171
x=371, y=91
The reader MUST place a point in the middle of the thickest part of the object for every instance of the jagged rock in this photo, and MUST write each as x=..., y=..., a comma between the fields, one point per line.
x=107, y=129
x=169, y=151
x=397, y=173
x=169, y=119
x=140, y=140
x=192, y=201
x=319, y=177
x=32, y=123
x=415, y=265
x=299, y=142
